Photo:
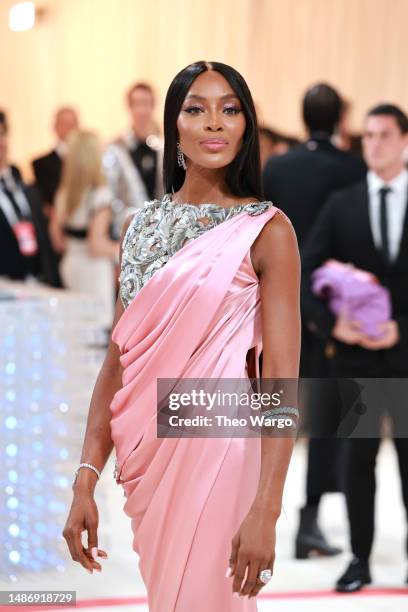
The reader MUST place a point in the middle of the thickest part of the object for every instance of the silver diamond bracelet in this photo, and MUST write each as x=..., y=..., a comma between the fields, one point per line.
x=281, y=410
x=88, y=465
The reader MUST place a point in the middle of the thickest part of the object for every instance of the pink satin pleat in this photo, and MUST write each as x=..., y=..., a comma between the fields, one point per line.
x=196, y=317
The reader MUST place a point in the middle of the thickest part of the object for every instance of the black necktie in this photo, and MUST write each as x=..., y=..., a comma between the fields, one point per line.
x=11, y=198
x=384, y=191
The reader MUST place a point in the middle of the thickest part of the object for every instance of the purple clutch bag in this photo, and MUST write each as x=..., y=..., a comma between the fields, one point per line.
x=343, y=285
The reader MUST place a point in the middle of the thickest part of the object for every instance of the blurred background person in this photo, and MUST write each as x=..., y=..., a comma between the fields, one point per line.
x=133, y=162
x=301, y=181
x=366, y=225
x=47, y=168
x=81, y=222
x=272, y=142
x=25, y=249
x=345, y=138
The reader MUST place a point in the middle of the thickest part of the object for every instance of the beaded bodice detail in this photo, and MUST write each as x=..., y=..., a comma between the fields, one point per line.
x=160, y=228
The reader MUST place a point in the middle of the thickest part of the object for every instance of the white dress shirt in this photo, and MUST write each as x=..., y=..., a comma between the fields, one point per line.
x=20, y=198
x=7, y=175
x=61, y=149
x=396, y=206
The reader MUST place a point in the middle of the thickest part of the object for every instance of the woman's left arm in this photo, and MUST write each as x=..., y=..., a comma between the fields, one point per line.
x=277, y=262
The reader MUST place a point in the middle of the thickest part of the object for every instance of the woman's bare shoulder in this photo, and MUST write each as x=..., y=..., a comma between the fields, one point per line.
x=276, y=242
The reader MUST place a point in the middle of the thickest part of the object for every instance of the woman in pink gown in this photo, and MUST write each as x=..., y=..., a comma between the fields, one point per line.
x=209, y=275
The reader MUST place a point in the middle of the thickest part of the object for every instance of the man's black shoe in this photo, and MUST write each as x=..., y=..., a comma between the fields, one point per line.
x=310, y=541
x=355, y=577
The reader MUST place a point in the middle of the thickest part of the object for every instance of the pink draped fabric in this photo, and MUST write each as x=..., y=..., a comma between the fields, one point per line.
x=197, y=316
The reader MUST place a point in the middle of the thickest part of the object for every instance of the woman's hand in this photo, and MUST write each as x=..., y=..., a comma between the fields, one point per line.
x=83, y=516
x=253, y=548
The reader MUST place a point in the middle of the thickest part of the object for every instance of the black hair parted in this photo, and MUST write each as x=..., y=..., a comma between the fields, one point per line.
x=392, y=111
x=243, y=174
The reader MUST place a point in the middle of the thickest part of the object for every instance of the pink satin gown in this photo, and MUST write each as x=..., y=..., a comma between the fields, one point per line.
x=197, y=316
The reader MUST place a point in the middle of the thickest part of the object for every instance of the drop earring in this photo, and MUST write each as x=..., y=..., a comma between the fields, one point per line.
x=180, y=157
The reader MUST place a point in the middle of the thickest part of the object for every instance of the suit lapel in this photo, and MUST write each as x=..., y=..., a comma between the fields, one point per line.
x=403, y=248
x=363, y=207
x=367, y=235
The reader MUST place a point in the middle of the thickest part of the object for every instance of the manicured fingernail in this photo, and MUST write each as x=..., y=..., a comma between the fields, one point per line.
x=228, y=572
x=90, y=571
x=94, y=552
x=235, y=594
x=98, y=569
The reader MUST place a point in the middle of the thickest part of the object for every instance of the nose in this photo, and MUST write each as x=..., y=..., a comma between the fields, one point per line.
x=214, y=123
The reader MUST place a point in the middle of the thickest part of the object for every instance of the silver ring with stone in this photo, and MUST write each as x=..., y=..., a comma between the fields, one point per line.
x=265, y=575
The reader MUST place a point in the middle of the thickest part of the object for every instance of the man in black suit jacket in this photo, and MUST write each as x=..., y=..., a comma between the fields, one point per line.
x=367, y=225
x=47, y=169
x=22, y=224
x=300, y=182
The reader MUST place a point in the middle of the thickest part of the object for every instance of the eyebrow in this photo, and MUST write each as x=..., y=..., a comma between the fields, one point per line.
x=224, y=97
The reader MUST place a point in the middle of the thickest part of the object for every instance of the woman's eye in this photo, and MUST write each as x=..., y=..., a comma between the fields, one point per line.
x=192, y=110
x=232, y=110
x=228, y=110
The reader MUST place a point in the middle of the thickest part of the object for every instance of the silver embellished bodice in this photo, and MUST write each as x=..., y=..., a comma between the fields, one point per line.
x=159, y=229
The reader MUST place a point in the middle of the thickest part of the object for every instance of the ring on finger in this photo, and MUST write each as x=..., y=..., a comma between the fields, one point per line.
x=265, y=575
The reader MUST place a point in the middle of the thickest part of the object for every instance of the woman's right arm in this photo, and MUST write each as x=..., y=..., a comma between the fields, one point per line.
x=57, y=236
x=99, y=242
x=97, y=447
x=56, y=233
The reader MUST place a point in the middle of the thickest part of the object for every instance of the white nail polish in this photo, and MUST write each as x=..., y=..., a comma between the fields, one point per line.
x=228, y=572
x=94, y=552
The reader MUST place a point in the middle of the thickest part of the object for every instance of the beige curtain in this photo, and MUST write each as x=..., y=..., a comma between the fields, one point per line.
x=87, y=52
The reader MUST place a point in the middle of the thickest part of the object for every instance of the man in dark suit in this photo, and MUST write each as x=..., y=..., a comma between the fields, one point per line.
x=47, y=169
x=25, y=248
x=367, y=225
x=299, y=182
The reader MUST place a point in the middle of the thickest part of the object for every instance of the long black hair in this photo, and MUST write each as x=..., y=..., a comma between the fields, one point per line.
x=243, y=174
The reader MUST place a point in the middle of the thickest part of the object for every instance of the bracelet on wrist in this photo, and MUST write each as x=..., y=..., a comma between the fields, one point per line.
x=279, y=410
x=87, y=465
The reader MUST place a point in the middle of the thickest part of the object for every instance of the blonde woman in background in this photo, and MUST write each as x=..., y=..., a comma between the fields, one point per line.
x=81, y=222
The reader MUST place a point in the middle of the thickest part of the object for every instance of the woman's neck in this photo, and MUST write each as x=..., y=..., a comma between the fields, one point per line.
x=204, y=185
